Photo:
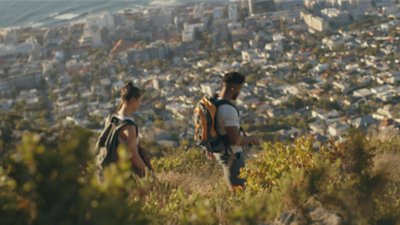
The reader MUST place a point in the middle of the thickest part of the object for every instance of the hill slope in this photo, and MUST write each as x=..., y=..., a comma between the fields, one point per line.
x=54, y=182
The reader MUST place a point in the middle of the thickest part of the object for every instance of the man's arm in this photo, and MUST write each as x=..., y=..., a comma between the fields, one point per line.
x=236, y=138
x=231, y=125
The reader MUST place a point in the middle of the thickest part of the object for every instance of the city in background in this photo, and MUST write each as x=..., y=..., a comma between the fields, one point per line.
x=312, y=68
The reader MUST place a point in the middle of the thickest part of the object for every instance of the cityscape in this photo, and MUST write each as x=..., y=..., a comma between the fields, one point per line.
x=318, y=67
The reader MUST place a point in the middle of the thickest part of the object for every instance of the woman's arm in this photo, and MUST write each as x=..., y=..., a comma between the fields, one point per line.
x=137, y=161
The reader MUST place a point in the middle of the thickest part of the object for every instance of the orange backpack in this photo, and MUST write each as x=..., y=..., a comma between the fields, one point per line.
x=205, y=132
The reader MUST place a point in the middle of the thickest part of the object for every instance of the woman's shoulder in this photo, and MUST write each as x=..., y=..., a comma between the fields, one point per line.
x=131, y=128
x=123, y=118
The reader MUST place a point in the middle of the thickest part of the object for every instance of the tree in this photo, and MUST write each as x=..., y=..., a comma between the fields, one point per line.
x=294, y=103
x=323, y=59
x=326, y=104
x=306, y=67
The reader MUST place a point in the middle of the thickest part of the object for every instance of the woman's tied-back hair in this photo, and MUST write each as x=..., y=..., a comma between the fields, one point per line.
x=233, y=78
x=129, y=91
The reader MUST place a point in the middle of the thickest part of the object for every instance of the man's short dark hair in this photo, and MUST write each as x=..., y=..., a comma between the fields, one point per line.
x=233, y=78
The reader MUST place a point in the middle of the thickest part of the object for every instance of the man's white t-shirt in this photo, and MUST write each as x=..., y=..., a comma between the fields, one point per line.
x=227, y=116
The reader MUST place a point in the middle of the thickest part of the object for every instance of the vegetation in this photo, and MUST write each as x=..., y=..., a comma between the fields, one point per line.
x=42, y=185
x=53, y=182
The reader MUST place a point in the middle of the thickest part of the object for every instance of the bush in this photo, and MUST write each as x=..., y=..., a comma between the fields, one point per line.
x=51, y=186
x=275, y=160
x=44, y=182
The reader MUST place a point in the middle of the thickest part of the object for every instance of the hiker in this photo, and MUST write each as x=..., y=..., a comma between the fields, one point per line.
x=123, y=130
x=130, y=102
x=228, y=125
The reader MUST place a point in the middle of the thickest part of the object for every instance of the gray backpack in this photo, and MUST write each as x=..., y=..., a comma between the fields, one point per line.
x=107, y=143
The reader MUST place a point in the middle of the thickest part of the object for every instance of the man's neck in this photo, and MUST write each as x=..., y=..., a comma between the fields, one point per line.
x=225, y=94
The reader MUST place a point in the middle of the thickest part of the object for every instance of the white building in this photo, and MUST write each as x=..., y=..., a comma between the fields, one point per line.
x=364, y=92
x=391, y=10
x=234, y=26
x=254, y=57
x=189, y=31
x=341, y=86
x=309, y=3
x=153, y=51
x=68, y=109
x=276, y=46
x=59, y=56
x=335, y=15
x=382, y=89
x=333, y=42
x=286, y=15
x=10, y=37
x=29, y=46
x=91, y=36
x=187, y=36
x=208, y=88
x=291, y=89
x=315, y=22
x=73, y=65
x=104, y=20
x=330, y=12
x=5, y=104
x=198, y=11
x=31, y=97
x=107, y=20
x=337, y=129
x=233, y=11
x=324, y=115
x=218, y=12
x=194, y=26
x=319, y=24
x=362, y=4
x=178, y=109
x=321, y=68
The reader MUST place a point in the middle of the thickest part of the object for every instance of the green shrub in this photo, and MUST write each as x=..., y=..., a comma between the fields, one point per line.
x=360, y=189
x=182, y=161
x=275, y=160
x=53, y=182
x=51, y=186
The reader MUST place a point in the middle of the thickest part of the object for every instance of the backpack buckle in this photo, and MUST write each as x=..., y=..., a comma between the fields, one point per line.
x=114, y=120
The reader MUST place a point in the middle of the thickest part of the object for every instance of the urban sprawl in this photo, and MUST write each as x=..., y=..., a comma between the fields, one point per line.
x=318, y=67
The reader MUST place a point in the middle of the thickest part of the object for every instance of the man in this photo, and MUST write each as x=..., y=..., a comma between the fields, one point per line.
x=228, y=125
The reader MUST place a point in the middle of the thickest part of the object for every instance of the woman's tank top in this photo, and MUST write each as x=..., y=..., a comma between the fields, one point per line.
x=122, y=137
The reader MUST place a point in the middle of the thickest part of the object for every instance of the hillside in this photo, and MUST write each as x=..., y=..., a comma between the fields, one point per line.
x=49, y=179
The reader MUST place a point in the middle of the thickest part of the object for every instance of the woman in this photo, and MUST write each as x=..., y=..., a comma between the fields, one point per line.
x=128, y=135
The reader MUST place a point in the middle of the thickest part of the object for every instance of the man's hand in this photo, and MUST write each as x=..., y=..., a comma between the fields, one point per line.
x=253, y=140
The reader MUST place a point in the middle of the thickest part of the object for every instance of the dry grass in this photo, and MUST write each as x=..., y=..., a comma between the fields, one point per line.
x=388, y=164
x=194, y=182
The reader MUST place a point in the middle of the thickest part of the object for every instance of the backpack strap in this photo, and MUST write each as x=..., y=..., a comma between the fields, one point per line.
x=218, y=103
x=105, y=132
x=122, y=123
